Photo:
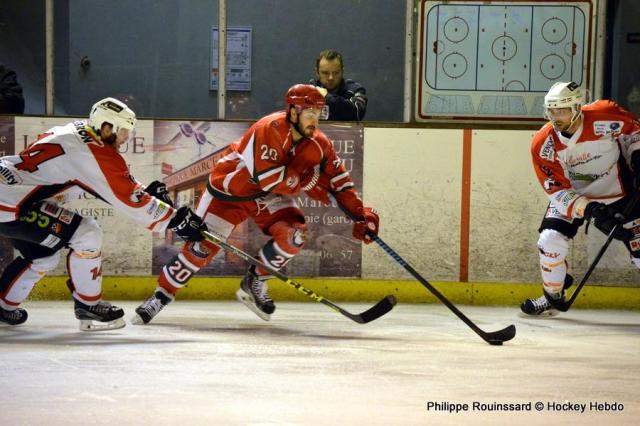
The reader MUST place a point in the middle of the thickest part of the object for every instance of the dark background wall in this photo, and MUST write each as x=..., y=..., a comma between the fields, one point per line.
x=156, y=53
x=625, y=53
x=22, y=48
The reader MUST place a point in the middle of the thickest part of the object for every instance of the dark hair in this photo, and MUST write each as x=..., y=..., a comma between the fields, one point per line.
x=329, y=55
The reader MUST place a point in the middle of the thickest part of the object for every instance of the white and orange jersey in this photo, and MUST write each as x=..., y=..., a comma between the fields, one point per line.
x=72, y=155
x=591, y=164
x=266, y=160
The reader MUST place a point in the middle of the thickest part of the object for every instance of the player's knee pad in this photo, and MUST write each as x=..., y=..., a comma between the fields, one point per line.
x=46, y=264
x=86, y=242
x=288, y=239
x=199, y=253
x=553, y=246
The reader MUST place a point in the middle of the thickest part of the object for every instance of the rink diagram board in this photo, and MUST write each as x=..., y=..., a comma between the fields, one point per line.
x=495, y=61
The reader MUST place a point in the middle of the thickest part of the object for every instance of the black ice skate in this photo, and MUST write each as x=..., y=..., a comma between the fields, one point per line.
x=541, y=307
x=151, y=307
x=253, y=293
x=15, y=317
x=103, y=312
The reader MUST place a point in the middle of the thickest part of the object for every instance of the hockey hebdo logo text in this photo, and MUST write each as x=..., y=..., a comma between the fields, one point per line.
x=550, y=406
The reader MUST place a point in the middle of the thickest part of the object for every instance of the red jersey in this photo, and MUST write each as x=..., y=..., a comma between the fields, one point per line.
x=267, y=160
x=592, y=162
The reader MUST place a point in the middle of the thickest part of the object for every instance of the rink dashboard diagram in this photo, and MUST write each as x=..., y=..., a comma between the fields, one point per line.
x=496, y=60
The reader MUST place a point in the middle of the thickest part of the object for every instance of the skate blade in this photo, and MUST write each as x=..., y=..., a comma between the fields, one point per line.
x=6, y=324
x=89, y=325
x=247, y=300
x=137, y=320
x=545, y=315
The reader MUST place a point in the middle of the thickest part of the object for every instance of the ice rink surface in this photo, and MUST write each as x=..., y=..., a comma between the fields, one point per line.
x=205, y=363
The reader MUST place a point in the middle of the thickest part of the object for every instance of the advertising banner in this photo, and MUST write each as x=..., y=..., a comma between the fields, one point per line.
x=181, y=154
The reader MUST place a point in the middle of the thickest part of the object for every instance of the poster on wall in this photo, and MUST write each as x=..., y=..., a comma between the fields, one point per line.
x=134, y=257
x=238, y=65
x=185, y=152
x=495, y=60
x=330, y=250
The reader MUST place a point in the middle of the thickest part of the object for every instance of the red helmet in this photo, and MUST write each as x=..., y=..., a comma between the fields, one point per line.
x=304, y=95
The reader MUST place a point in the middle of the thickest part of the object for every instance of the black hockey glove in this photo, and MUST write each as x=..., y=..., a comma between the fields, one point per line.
x=188, y=225
x=605, y=218
x=159, y=190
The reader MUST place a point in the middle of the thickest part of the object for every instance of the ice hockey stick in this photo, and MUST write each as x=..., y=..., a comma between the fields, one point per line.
x=379, y=309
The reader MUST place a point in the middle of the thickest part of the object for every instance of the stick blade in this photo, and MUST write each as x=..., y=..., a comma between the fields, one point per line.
x=500, y=336
x=376, y=311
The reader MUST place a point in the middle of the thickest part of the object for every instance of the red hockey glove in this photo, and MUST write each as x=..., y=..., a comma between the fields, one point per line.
x=368, y=223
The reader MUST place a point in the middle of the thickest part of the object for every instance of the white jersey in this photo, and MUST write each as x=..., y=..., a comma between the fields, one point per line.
x=592, y=163
x=73, y=155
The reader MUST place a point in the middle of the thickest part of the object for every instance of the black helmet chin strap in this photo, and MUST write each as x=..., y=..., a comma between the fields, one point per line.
x=295, y=125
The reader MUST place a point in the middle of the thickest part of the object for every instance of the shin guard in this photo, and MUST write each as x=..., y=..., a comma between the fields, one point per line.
x=86, y=277
x=16, y=282
x=288, y=240
x=554, y=248
x=184, y=265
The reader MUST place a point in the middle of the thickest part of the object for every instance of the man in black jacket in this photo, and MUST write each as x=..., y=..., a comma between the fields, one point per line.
x=346, y=99
x=11, y=99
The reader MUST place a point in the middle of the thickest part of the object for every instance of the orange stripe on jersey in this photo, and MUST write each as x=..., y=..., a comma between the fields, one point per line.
x=165, y=217
x=8, y=209
x=117, y=175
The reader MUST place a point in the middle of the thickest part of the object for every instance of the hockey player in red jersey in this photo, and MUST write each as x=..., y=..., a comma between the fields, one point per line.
x=258, y=176
x=587, y=159
x=85, y=155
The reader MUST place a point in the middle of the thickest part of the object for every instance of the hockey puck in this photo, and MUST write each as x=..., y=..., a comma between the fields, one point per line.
x=495, y=342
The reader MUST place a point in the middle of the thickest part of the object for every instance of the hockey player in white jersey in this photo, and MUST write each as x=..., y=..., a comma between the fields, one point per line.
x=81, y=154
x=587, y=160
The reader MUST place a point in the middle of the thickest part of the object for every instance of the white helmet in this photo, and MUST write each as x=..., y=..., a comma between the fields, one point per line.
x=564, y=95
x=114, y=112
